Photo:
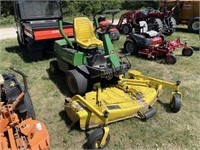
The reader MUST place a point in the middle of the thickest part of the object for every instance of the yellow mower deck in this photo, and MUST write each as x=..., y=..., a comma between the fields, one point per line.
x=133, y=96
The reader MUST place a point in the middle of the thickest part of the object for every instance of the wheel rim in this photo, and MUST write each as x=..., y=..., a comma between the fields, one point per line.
x=195, y=25
x=187, y=52
x=129, y=47
x=71, y=83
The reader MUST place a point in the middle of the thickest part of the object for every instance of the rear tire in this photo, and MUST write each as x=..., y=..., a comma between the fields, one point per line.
x=155, y=24
x=95, y=138
x=187, y=51
x=194, y=25
x=76, y=82
x=34, y=55
x=114, y=36
x=130, y=47
x=172, y=26
x=127, y=28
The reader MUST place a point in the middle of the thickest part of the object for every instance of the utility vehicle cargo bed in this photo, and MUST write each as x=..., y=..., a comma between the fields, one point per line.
x=47, y=30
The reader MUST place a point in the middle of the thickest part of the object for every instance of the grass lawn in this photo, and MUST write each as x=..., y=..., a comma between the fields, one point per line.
x=163, y=131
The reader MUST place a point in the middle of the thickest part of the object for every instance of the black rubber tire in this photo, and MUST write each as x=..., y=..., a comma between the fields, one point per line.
x=172, y=22
x=191, y=25
x=116, y=37
x=95, y=137
x=175, y=104
x=172, y=26
x=155, y=24
x=30, y=113
x=187, y=51
x=54, y=67
x=130, y=47
x=34, y=55
x=127, y=28
x=172, y=59
x=76, y=82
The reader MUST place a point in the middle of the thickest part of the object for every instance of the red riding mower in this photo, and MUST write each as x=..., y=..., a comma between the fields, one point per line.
x=153, y=45
x=103, y=23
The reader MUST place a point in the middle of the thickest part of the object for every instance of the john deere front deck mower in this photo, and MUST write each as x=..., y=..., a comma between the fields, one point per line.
x=126, y=98
x=86, y=60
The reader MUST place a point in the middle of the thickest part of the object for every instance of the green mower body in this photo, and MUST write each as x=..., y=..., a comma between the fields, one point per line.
x=88, y=66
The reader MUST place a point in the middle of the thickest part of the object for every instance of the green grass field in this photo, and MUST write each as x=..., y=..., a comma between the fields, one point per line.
x=163, y=131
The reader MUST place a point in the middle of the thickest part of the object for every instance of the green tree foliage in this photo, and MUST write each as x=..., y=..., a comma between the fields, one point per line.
x=88, y=7
x=75, y=8
x=133, y=4
x=6, y=9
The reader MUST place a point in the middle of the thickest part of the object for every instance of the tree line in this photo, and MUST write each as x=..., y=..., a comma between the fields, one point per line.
x=88, y=7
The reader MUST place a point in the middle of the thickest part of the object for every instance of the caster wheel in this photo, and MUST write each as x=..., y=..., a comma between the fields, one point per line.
x=95, y=137
x=175, y=104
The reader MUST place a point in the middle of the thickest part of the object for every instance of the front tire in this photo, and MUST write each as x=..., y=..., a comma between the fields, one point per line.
x=130, y=47
x=76, y=82
x=95, y=139
x=187, y=51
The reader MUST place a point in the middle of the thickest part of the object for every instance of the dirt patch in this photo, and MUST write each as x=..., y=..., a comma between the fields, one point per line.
x=7, y=33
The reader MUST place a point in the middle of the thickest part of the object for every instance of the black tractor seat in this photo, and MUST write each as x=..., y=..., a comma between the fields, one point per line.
x=141, y=40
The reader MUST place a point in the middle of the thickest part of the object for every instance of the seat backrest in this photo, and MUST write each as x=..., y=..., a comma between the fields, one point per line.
x=144, y=26
x=83, y=29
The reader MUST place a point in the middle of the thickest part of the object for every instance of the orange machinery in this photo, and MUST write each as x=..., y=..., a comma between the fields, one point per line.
x=16, y=131
x=21, y=134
